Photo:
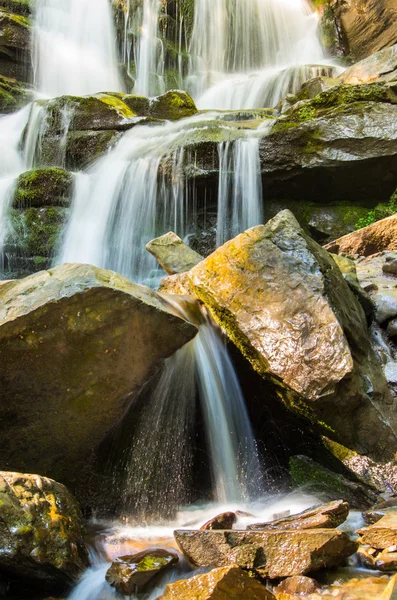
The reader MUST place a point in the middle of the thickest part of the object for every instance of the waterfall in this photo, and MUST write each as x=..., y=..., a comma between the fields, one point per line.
x=74, y=48
x=160, y=461
x=149, y=66
x=239, y=48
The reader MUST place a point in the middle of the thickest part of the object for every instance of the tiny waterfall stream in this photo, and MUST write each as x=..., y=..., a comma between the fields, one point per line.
x=244, y=54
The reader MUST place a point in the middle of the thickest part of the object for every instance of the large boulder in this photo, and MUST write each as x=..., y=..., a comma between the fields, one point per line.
x=369, y=240
x=76, y=343
x=173, y=105
x=283, y=301
x=218, y=584
x=41, y=531
x=271, y=554
x=41, y=188
x=13, y=95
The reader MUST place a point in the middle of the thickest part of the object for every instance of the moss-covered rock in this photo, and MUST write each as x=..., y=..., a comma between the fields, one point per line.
x=129, y=573
x=41, y=188
x=41, y=532
x=15, y=34
x=13, y=95
x=314, y=478
x=108, y=336
x=18, y=7
x=173, y=105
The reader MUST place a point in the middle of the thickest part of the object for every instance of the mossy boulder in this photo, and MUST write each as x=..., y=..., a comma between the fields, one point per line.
x=13, y=95
x=40, y=188
x=18, y=7
x=76, y=343
x=283, y=301
x=41, y=532
x=308, y=475
x=173, y=105
x=127, y=574
x=15, y=45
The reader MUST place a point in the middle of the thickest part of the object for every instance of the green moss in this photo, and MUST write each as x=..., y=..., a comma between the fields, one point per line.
x=43, y=187
x=12, y=95
x=20, y=7
x=173, y=105
x=152, y=563
x=381, y=211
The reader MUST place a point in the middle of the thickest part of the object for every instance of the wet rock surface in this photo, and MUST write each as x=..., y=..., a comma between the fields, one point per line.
x=324, y=516
x=41, y=531
x=382, y=535
x=218, y=584
x=128, y=574
x=269, y=553
x=378, y=237
x=300, y=586
x=222, y=521
x=76, y=341
x=265, y=288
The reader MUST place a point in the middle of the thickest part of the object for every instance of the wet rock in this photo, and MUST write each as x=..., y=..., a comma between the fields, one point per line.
x=382, y=534
x=300, y=586
x=371, y=558
x=108, y=336
x=379, y=476
x=18, y=7
x=376, y=512
x=314, y=478
x=82, y=148
x=15, y=45
x=279, y=296
x=390, y=592
x=380, y=284
x=349, y=271
x=41, y=531
x=367, y=26
x=39, y=188
x=228, y=582
x=127, y=574
x=375, y=238
x=324, y=516
x=222, y=521
x=173, y=105
x=13, y=95
x=315, y=86
x=271, y=554
x=173, y=255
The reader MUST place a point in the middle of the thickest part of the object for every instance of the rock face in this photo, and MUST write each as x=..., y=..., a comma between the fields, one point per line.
x=41, y=531
x=218, y=584
x=40, y=188
x=377, y=237
x=13, y=95
x=128, y=573
x=172, y=254
x=367, y=25
x=76, y=342
x=284, y=303
x=325, y=516
x=269, y=553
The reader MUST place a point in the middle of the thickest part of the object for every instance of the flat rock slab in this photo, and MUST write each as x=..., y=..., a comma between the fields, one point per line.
x=269, y=553
x=76, y=342
x=128, y=573
x=382, y=534
x=218, y=584
x=377, y=237
x=325, y=516
x=172, y=254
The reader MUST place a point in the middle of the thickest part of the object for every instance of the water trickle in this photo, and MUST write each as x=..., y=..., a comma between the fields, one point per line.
x=150, y=54
x=74, y=48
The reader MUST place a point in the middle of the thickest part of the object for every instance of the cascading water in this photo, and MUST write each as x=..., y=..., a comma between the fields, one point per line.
x=149, y=60
x=240, y=49
x=74, y=48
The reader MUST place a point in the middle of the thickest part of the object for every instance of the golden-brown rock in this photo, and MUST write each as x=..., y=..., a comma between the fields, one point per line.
x=223, y=521
x=128, y=574
x=377, y=237
x=269, y=553
x=218, y=584
x=298, y=585
x=382, y=534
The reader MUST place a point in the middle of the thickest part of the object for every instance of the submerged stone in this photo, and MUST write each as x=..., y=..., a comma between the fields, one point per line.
x=41, y=531
x=218, y=584
x=129, y=573
x=324, y=516
x=271, y=554
x=76, y=342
